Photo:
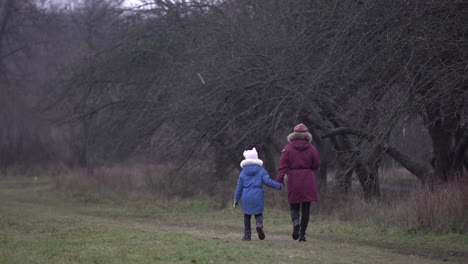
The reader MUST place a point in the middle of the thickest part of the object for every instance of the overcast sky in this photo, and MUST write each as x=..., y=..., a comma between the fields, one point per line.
x=128, y=3
x=132, y=2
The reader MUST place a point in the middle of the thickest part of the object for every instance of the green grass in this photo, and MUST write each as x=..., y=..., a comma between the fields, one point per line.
x=40, y=225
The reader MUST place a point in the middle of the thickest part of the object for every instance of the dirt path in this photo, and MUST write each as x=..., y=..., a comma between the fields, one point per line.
x=317, y=243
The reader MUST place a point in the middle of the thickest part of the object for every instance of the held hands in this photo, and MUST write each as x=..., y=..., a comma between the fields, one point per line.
x=282, y=185
x=235, y=203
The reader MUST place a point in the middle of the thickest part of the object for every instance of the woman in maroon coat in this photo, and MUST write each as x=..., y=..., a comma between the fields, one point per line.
x=298, y=161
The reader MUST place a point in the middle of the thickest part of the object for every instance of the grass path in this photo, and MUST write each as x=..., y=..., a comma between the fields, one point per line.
x=38, y=225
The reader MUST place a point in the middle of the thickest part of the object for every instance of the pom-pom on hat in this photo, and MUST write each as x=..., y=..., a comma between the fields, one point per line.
x=300, y=128
x=301, y=132
x=251, y=157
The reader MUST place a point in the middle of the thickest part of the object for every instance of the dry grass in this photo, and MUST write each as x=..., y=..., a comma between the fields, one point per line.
x=146, y=183
x=35, y=170
x=444, y=209
x=162, y=182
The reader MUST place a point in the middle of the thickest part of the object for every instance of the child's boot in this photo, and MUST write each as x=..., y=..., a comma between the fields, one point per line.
x=296, y=227
x=247, y=234
x=259, y=227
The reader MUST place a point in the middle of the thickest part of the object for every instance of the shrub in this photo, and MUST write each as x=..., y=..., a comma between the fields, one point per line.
x=443, y=209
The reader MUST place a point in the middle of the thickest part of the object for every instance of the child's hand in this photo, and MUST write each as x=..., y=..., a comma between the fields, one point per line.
x=235, y=203
x=282, y=184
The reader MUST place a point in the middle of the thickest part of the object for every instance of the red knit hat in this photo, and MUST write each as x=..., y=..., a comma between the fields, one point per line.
x=301, y=128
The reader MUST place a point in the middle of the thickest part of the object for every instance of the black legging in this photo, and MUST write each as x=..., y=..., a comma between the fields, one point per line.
x=295, y=208
x=247, y=219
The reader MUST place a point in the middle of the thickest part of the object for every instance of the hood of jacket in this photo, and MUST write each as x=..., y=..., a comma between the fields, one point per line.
x=251, y=166
x=251, y=170
x=300, y=144
x=300, y=136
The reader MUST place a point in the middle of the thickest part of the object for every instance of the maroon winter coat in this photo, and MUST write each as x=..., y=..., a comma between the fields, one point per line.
x=298, y=160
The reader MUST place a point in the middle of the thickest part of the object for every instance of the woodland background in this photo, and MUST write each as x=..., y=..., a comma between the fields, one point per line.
x=163, y=97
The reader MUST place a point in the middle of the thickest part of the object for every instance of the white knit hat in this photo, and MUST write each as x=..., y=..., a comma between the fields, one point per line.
x=250, y=154
x=251, y=157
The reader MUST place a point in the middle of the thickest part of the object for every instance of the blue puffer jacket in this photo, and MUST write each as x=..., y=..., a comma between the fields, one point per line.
x=250, y=188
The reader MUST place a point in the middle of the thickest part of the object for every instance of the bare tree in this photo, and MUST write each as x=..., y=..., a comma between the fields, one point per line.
x=226, y=76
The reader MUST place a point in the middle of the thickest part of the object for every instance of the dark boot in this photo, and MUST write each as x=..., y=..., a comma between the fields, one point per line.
x=304, y=221
x=296, y=226
x=259, y=226
x=302, y=233
x=295, y=208
x=247, y=235
x=261, y=234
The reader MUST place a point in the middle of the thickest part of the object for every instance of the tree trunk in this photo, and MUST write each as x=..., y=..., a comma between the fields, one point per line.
x=269, y=162
x=322, y=147
x=344, y=170
x=5, y=11
x=321, y=174
x=369, y=179
x=343, y=174
x=369, y=173
x=448, y=151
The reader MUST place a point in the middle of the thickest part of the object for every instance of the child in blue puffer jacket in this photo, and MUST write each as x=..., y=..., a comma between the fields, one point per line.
x=250, y=188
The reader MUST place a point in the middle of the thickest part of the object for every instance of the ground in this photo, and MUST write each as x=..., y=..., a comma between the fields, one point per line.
x=41, y=225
